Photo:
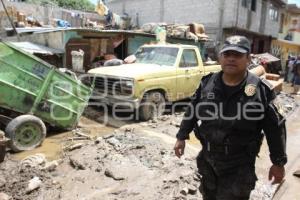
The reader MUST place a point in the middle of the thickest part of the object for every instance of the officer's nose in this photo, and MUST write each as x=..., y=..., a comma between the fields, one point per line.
x=231, y=58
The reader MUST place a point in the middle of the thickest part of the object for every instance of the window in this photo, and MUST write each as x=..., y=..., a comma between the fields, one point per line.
x=281, y=23
x=157, y=55
x=253, y=5
x=189, y=58
x=273, y=13
x=245, y=3
x=250, y=4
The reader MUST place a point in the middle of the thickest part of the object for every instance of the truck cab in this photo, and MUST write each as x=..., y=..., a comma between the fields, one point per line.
x=161, y=73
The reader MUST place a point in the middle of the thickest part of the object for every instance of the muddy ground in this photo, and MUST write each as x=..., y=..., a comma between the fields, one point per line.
x=127, y=164
x=133, y=162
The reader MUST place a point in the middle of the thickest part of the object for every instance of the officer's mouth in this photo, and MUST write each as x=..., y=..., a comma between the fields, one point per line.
x=231, y=66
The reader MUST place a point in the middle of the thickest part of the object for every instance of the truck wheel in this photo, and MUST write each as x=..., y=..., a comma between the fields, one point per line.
x=25, y=132
x=153, y=105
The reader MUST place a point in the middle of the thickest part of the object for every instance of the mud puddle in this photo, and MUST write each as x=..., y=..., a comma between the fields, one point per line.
x=53, y=144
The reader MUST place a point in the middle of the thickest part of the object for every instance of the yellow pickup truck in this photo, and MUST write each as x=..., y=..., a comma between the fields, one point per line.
x=161, y=73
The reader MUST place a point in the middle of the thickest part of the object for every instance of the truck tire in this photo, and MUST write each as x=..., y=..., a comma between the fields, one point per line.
x=152, y=106
x=26, y=132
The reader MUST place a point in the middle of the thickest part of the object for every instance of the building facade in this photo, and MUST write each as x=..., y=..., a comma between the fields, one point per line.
x=259, y=20
x=288, y=42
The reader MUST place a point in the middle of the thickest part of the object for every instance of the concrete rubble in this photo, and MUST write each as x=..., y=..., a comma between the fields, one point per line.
x=126, y=165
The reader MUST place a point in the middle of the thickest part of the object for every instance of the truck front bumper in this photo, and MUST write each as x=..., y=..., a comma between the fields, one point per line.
x=121, y=102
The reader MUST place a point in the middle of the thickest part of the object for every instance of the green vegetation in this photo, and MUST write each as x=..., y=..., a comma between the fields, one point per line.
x=84, y=5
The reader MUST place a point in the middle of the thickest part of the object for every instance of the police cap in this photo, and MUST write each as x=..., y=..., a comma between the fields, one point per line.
x=236, y=43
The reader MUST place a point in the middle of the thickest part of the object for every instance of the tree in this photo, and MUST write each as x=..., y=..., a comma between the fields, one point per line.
x=84, y=5
x=76, y=4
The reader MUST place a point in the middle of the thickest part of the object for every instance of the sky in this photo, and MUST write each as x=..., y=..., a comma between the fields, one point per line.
x=95, y=1
x=295, y=1
x=290, y=1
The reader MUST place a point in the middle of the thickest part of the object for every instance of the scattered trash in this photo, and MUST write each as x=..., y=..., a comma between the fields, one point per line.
x=130, y=59
x=113, y=62
x=77, y=164
x=115, y=143
x=108, y=136
x=285, y=104
x=297, y=173
x=174, y=123
x=38, y=161
x=81, y=135
x=33, y=161
x=73, y=147
x=77, y=60
x=33, y=184
x=192, y=189
x=62, y=23
x=110, y=174
x=184, y=191
x=4, y=196
x=51, y=166
x=264, y=191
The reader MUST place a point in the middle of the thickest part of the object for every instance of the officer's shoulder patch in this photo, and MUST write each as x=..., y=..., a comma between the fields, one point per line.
x=267, y=83
x=250, y=90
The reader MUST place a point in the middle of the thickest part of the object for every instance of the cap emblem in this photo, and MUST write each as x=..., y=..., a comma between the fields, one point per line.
x=234, y=40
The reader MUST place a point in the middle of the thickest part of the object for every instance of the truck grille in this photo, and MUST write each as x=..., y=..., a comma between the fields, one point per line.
x=112, y=86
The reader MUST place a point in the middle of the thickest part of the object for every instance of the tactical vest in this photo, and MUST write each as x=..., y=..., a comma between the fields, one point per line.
x=238, y=130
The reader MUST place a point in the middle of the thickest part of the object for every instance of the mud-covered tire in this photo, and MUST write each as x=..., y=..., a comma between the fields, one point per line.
x=26, y=132
x=153, y=105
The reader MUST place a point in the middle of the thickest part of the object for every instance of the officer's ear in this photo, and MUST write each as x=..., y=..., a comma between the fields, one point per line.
x=219, y=56
x=248, y=57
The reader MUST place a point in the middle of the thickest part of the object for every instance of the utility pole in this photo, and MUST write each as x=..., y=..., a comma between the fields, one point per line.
x=10, y=20
x=162, y=11
x=237, y=14
x=221, y=9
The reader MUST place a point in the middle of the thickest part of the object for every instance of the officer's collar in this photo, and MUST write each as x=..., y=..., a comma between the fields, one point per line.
x=218, y=81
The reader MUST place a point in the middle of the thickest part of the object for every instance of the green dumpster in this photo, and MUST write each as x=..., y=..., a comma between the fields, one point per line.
x=33, y=95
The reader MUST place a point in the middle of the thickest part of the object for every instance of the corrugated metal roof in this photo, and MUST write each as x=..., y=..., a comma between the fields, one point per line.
x=36, y=48
x=36, y=29
x=267, y=57
x=39, y=30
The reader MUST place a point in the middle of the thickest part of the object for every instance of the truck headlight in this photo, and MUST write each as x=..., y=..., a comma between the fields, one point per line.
x=127, y=86
x=128, y=83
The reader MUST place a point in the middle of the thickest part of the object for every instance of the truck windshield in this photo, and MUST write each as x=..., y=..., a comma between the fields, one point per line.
x=157, y=55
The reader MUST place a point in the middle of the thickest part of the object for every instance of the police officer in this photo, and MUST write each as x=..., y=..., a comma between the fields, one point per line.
x=228, y=113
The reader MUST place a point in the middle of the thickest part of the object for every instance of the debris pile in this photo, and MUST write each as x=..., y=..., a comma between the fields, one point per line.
x=191, y=31
x=286, y=104
x=28, y=179
x=128, y=165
